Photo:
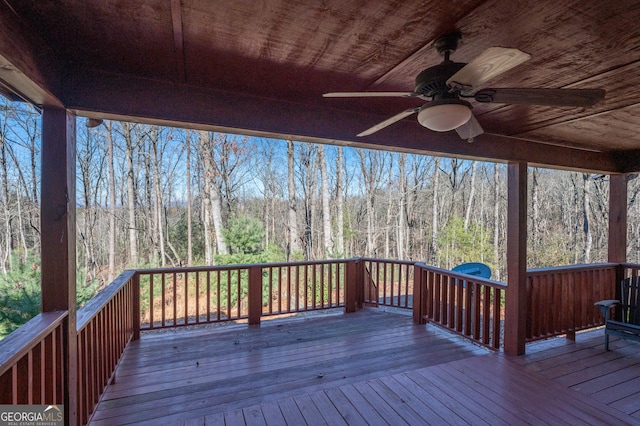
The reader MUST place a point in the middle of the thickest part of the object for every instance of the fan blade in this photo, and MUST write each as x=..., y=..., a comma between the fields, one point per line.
x=550, y=97
x=371, y=95
x=389, y=121
x=490, y=63
x=470, y=129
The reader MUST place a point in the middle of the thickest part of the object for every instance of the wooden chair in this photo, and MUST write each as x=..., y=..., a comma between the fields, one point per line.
x=629, y=326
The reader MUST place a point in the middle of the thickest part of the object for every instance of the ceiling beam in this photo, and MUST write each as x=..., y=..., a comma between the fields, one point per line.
x=113, y=95
x=178, y=40
x=28, y=66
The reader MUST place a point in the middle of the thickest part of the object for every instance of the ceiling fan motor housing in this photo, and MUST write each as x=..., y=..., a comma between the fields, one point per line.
x=432, y=82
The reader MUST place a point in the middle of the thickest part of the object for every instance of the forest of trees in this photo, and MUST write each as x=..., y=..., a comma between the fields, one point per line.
x=158, y=196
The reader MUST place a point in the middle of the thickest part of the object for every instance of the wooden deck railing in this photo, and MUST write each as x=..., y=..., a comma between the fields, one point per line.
x=175, y=297
x=630, y=270
x=467, y=305
x=105, y=326
x=561, y=299
x=306, y=286
x=388, y=282
x=178, y=297
x=31, y=367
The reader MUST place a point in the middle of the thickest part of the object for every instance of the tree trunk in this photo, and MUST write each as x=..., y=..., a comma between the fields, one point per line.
x=389, y=218
x=586, y=208
x=158, y=203
x=6, y=211
x=112, y=202
x=367, y=176
x=535, y=217
x=434, y=212
x=189, y=202
x=309, y=176
x=216, y=217
x=496, y=221
x=326, y=212
x=86, y=160
x=402, y=208
x=131, y=195
x=340, y=203
x=212, y=191
x=471, y=195
x=293, y=246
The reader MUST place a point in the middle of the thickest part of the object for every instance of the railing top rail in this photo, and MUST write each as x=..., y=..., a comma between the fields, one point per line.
x=88, y=311
x=571, y=268
x=22, y=340
x=461, y=276
x=183, y=269
x=630, y=265
x=401, y=262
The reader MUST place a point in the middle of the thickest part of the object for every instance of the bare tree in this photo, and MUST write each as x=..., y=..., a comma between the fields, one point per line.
x=496, y=219
x=434, y=211
x=212, y=191
x=308, y=177
x=5, y=260
x=158, y=204
x=326, y=212
x=402, y=208
x=293, y=243
x=112, y=201
x=372, y=165
x=189, y=200
x=91, y=162
x=340, y=202
x=586, y=212
x=471, y=195
x=130, y=146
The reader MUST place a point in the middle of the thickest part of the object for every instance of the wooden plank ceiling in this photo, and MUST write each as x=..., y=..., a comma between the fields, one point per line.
x=261, y=67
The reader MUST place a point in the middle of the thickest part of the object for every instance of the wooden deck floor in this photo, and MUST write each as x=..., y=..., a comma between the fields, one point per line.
x=366, y=368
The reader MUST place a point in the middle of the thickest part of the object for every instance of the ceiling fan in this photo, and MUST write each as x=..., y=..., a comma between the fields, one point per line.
x=447, y=84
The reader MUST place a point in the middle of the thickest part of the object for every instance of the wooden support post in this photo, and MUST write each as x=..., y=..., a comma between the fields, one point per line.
x=618, y=226
x=618, y=218
x=418, y=295
x=516, y=302
x=360, y=279
x=255, y=294
x=135, y=303
x=352, y=284
x=58, y=237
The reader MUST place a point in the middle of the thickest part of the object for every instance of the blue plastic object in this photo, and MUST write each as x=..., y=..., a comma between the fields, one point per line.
x=474, y=268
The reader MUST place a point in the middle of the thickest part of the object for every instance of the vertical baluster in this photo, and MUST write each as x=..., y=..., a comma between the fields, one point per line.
x=392, y=283
x=477, y=288
x=164, y=301
x=451, y=301
x=468, y=313
x=319, y=276
x=289, y=294
x=239, y=289
x=197, y=273
x=270, y=282
x=296, y=272
x=497, y=320
x=218, y=295
x=437, y=299
x=208, y=290
x=186, y=297
x=486, y=314
x=228, y=274
x=279, y=281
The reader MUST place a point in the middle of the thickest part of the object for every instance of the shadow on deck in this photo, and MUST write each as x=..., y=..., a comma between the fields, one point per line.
x=369, y=367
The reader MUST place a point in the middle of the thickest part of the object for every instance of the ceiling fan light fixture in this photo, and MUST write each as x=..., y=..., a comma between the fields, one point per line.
x=443, y=115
